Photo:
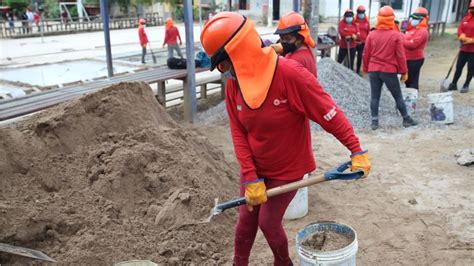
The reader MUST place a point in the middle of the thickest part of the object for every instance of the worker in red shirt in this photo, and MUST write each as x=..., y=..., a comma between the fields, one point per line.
x=295, y=41
x=363, y=24
x=270, y=101
x=171, y=38
x=414, y=41
x=466, y=53
x=349, y=34
x=384, y=57
x=143, y=37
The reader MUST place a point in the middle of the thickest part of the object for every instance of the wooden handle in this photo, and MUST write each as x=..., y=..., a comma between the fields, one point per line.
x=295, y=185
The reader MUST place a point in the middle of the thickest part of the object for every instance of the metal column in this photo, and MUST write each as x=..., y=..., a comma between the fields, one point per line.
x=189, y=84
x=104, y=13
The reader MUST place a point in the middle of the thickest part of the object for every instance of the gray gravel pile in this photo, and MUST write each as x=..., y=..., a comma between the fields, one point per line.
x=352, y=93
x=214, y=115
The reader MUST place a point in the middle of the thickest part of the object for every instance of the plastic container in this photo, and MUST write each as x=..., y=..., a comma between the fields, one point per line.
x=441, y=107
x=136, y=263
x=342, y=257
x=409, y=97
x=298, y=207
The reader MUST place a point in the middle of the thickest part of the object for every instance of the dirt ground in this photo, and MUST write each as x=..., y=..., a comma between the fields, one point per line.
x=416, y=207
x=110, y=177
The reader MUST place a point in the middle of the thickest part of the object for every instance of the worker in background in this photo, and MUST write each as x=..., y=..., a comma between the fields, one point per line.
x=466, y=53
x=384, y=58
x=349, y=34
x=269, y=101
x=295, y=41
x=143, y=37
x=363, y=24
x=414, y=41
x=171, y=38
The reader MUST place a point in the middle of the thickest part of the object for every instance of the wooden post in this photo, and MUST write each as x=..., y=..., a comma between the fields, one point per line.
x=204, y=91
x=161, y=94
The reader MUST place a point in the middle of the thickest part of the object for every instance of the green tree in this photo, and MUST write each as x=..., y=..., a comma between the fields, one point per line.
x=17, y=6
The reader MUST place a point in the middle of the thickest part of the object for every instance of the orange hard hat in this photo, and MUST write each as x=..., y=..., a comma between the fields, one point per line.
x=294, y=22
x=142, y=21
x=421, y=11
x=348, y=13
x=360, y=9
x=386, y=11
x=290, y=22
x=219, y=30
x=231, y=36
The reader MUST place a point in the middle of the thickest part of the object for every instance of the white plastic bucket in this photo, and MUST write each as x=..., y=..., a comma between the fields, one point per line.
x=441, y=107
x=298, y=207
x=342, y=257
x=409, y=97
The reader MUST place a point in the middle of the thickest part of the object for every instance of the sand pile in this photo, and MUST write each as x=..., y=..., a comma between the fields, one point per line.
x=107, y=178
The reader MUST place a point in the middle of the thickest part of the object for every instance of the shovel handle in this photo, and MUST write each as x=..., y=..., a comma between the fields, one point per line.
x=337, y=173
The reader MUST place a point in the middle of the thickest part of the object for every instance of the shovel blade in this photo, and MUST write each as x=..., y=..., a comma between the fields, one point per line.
x=25, y=252
x=444, y=85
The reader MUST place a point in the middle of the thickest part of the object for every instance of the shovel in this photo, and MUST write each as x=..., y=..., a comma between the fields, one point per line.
x=334, y=174
x=25, y=252
x=348, y=43
x=445, y=82
x=152, y=54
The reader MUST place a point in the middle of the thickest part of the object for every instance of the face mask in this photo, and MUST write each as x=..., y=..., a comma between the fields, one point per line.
x=415, y=22
x=360, y=16
x=288, y=47
x=348, y=20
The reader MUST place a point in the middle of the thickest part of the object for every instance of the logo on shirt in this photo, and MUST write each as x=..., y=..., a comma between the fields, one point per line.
x=239, y=107
x=277, y=102
x=331, y=114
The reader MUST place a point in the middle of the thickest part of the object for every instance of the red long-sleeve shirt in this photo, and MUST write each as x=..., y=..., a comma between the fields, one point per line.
x=364, y=28
x=274, y=141
x=414, y=42
x=467, y=27
x=171, y=36
x=384, y=52
x=305, y=57
x=142, y=36
x=347, y=30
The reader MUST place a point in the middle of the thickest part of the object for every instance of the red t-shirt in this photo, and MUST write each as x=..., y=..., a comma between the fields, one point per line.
x=384, y=52
x=414, y=42
x=364, y=28
x=274, y=141
x=467, y=27
x=347, y=30
x=304, y=56
x=142, y=36
x=171, y=36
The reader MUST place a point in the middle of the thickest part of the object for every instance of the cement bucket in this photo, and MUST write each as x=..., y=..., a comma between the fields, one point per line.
x=342, y=257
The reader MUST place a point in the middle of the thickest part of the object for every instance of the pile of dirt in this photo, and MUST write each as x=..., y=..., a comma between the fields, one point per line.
x=110, y=177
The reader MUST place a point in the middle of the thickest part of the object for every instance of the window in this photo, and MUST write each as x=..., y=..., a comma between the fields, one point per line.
x=397, y=4
x=453, y=9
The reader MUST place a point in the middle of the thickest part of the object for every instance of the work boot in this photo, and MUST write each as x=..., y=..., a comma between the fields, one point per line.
x=453, y=87
x=464, y=89
x=408, y=122
x=375, y=124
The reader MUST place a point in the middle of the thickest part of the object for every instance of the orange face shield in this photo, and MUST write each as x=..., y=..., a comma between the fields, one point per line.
x=254, y=66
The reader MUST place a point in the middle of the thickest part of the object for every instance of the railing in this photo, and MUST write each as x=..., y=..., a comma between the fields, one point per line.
x=20, y=29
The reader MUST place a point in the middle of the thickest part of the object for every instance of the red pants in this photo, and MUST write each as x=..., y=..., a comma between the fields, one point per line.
x=268, y=217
